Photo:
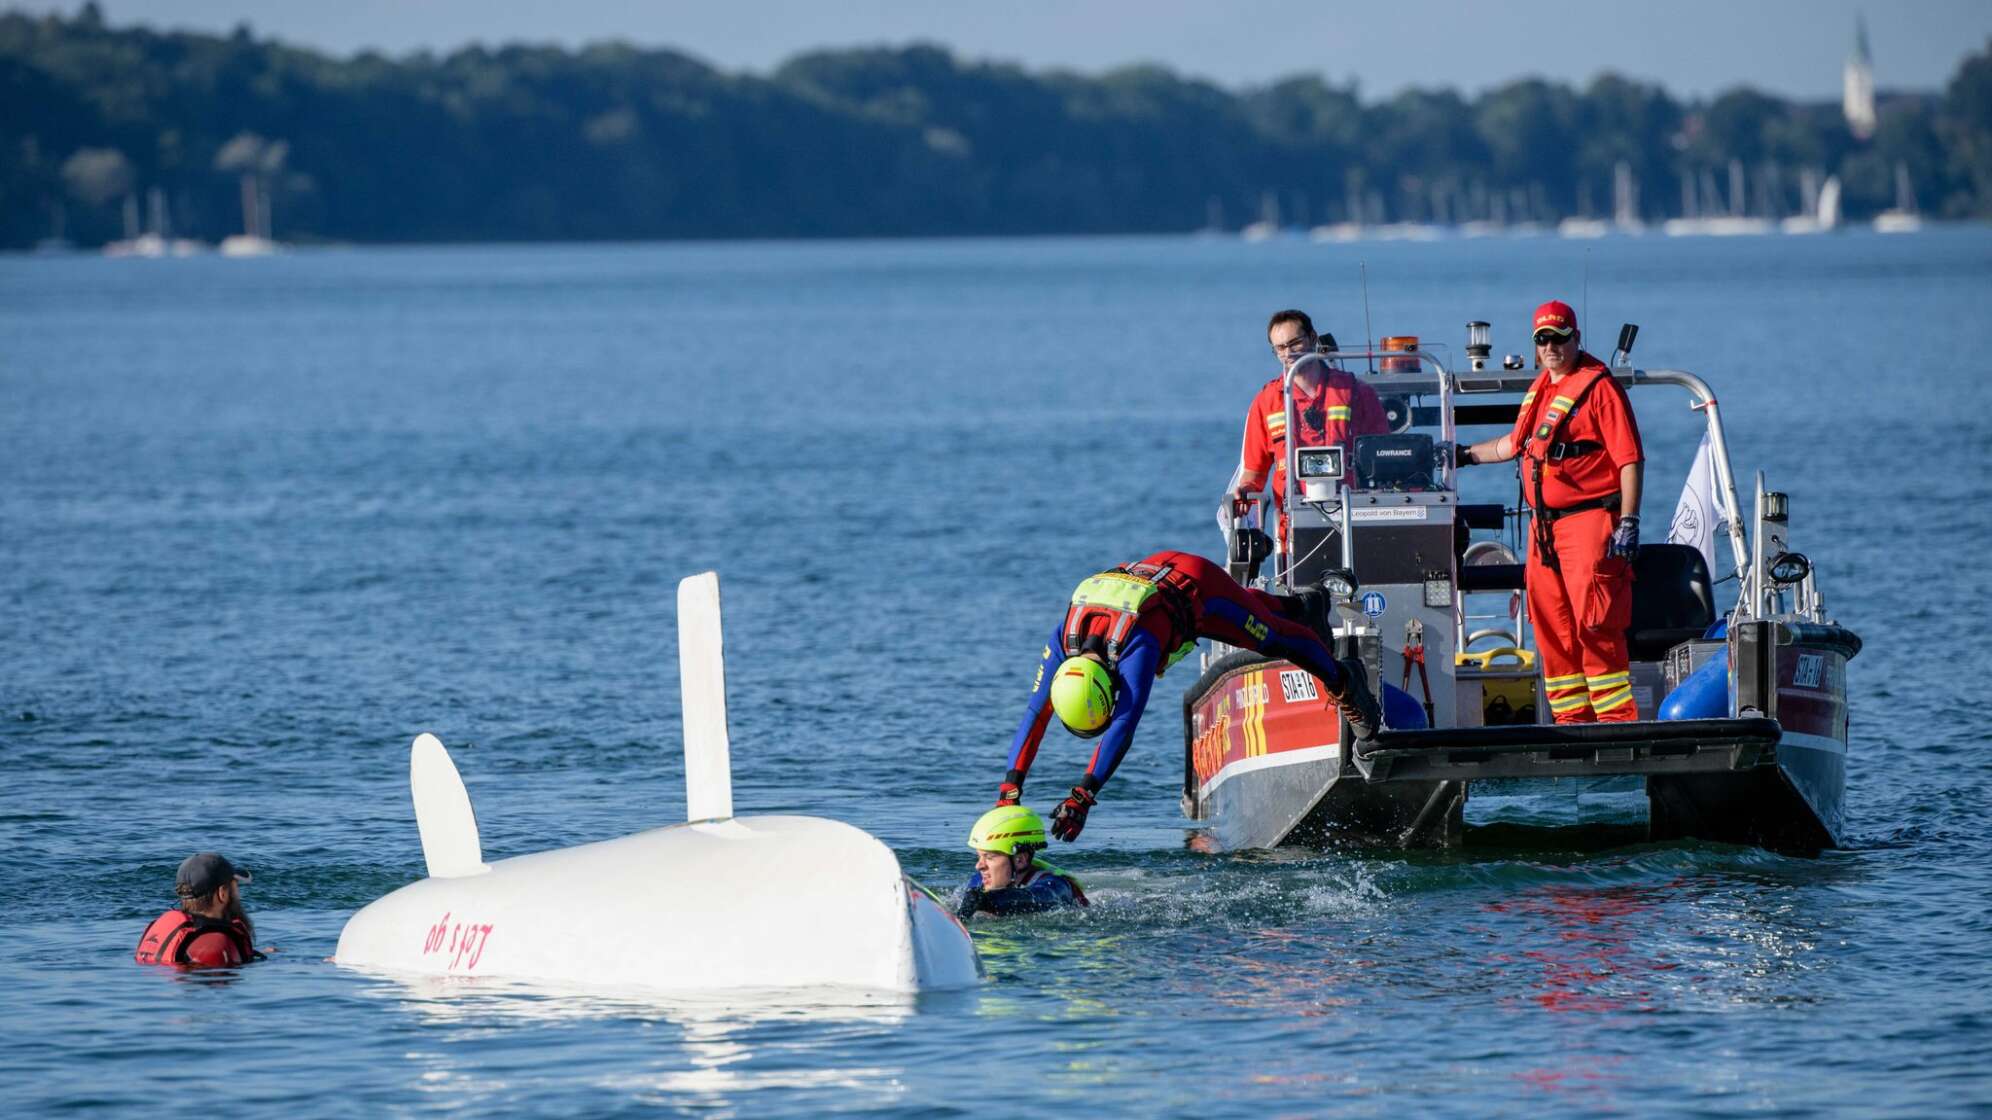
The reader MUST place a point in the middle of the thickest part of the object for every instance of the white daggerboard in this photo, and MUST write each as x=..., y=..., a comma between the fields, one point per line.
x=702, y=688
x=443, y=814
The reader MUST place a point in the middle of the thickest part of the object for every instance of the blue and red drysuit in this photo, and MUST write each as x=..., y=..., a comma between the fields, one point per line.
x=1200, y=600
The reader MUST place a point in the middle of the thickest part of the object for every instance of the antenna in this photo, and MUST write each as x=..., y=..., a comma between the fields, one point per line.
x=1369, y=338
x=1586, y=300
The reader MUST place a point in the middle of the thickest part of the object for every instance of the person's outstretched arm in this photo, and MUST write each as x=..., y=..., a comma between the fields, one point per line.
x=1030, y=732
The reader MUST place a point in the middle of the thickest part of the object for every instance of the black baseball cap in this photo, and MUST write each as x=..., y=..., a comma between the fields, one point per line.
x=203, y=873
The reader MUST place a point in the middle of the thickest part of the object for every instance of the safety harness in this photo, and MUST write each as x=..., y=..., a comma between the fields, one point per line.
x=1543, y=447
x=1123, y=593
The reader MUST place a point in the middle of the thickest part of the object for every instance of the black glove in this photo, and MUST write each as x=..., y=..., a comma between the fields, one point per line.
x=971, y=901
x=1009, y=793
x=1070, y=817
x=1462, y=454
x=1625, y=540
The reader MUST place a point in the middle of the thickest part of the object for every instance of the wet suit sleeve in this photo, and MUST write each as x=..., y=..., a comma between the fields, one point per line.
x=1137, y=676
x=1024, y=744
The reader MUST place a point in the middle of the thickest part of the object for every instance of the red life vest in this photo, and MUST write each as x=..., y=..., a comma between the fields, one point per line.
x=1549, y=408
x=172, y=934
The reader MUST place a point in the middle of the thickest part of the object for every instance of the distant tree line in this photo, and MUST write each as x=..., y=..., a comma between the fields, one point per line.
x=101, y=127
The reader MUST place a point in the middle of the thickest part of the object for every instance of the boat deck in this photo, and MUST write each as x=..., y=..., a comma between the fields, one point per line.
x=1698, y=746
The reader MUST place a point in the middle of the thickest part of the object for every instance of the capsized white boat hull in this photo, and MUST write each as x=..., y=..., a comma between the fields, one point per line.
x=720, y=902
x=775, y=901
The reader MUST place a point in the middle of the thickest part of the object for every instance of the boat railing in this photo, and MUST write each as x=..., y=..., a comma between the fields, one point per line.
x=1448, y=386
x=1407, y=384
x=1431, y=378
x=1725, y=478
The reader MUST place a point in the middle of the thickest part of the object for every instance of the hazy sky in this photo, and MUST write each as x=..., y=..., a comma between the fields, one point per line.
x=1694, y=47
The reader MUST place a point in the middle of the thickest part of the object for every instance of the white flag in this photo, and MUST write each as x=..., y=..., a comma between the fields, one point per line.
x=1696, y=516
x=1224, y=503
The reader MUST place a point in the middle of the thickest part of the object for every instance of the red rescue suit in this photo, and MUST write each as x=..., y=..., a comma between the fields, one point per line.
x=1573, y=436
x=1197, y=599
x=191, y=941
x=1339, y=409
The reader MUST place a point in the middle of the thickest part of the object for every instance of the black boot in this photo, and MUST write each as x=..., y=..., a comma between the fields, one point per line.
x=1314, y=607
x=1357, y=702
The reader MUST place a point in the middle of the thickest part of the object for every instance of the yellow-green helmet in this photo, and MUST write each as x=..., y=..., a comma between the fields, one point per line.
x=1003, y=828
x=1082, y=693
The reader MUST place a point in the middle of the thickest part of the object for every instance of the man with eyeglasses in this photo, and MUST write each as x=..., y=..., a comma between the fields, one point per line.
x=1331, y=408
x=1582, y=468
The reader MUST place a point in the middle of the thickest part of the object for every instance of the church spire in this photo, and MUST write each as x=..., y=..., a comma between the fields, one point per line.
x=1857, y=85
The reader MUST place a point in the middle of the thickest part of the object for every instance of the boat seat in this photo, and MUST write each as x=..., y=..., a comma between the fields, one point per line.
x=1491, y=577
x=1673, y=599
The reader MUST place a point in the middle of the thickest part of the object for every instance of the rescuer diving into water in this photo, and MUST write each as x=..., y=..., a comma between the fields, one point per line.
x=1126, y=627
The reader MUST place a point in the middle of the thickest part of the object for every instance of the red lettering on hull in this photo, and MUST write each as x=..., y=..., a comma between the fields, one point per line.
x=464, y=942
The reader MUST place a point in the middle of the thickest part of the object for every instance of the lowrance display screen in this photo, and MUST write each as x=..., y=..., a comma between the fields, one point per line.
x=1320, y=462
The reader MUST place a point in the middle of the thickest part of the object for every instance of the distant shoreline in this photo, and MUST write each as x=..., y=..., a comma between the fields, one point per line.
x=128, y=132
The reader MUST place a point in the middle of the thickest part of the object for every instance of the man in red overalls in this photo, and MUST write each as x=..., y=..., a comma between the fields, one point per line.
x=1330, y=406
x=1582, y=467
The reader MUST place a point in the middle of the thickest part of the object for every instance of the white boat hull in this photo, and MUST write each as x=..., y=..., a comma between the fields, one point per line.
x=767, y=902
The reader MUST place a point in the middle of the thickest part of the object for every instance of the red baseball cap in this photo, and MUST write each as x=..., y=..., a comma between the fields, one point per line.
x=1555, y=317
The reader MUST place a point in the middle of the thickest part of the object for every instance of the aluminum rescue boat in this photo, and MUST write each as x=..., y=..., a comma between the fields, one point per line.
x=1742, y=729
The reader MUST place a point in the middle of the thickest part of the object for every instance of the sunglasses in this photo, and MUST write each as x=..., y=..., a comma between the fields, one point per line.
x=1548, y=339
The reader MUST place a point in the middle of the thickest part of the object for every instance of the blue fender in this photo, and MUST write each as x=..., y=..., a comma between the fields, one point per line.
x=1704, y=694
x=1400, y=711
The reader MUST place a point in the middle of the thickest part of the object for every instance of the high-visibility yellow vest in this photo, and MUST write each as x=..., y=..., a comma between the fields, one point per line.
x=1124, y=593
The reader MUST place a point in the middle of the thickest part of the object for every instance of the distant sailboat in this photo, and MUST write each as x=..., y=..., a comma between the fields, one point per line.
x=1268, y=225
x=1731, y=221
x=157, y=241
x=57, y=242
x=1583, y=228
x=1902, y=218
x=1407, y=231
x=254, y=240
x=1825, y=215
x=1213, y=218
x=1625, y=210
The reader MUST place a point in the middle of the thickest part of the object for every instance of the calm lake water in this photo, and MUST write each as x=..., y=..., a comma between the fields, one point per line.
x=261, y=522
